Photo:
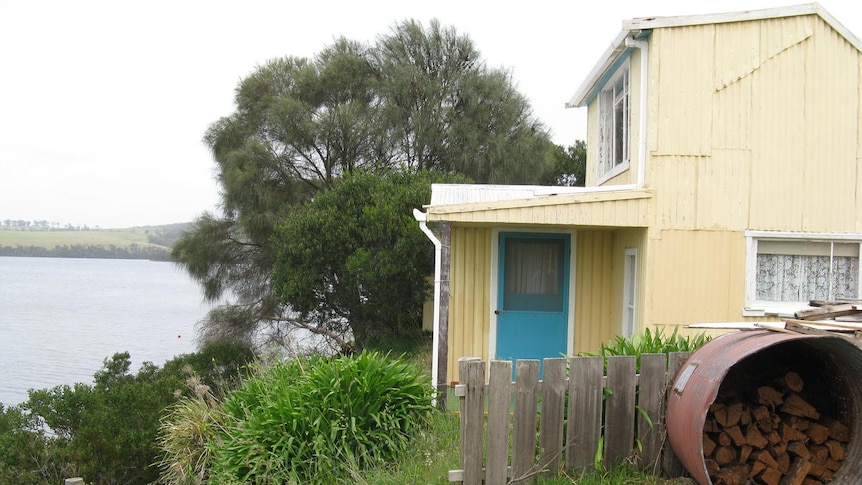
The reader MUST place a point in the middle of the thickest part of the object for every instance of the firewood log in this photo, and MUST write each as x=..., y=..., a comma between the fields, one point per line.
x=796, y=474
x=837, y=430
x=817, y=433
x=770, y=476
x=708, y=445
x=794, y=404
x=769, y=396
x=733, y=475
x=836, y=450
x=724, y=455
x=755, y=438
x=799, y=449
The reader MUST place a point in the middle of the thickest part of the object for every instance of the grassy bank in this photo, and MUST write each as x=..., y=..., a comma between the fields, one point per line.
x=121, y=238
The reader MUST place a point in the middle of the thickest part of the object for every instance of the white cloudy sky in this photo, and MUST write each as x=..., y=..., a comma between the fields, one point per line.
x=103, y=104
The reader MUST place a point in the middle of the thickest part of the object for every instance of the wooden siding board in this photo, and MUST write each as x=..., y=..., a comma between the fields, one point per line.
x=723, y=187
x=804, y=168
x=778, y=142
x=737, y=52
x=700, y=267
x=593, y=290
x=618, y=209
x=830, y=108
x=731, y=113
x=676, y=203
x=469, y=323
x=684, y=101
x=737, y=56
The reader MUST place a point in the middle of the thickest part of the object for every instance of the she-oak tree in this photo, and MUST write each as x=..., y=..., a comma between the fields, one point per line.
x=416, y=100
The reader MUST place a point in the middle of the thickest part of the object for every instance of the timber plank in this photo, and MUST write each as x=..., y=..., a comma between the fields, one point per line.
x=499, y=404
x=553, y=402
x=650, y=399
x=620, y=409
x=472, y=372
x=585, y=402
x=524, y=434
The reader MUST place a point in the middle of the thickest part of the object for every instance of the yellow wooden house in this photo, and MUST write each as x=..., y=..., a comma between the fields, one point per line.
x=724, y=183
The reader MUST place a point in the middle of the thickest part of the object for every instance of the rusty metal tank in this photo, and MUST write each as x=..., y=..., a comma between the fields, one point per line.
x=831, y=364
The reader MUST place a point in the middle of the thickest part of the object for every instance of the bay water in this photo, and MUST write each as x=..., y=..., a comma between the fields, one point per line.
x=61, y=318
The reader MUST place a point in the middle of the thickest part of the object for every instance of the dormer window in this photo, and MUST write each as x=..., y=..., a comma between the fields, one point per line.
x=614, y=123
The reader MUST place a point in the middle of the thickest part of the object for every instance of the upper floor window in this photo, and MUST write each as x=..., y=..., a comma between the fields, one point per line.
x=792, y=270
x=614, y=122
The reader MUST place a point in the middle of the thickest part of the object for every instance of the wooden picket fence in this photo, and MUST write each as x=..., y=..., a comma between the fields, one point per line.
x=577, y=409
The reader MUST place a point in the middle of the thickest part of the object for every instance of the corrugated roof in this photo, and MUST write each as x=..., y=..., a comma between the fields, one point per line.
x=640, y=27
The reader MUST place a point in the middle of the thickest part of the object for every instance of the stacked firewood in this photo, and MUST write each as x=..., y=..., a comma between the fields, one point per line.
x=777, y=439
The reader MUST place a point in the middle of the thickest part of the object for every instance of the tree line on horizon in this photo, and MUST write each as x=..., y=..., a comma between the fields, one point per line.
x=110, y=251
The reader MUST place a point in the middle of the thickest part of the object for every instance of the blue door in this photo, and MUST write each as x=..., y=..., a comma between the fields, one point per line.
x=532, y=312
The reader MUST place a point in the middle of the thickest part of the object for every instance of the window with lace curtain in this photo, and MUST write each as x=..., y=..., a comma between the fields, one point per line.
x=798, y=270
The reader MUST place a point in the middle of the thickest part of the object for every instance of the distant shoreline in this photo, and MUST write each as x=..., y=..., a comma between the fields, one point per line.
x=152, y=242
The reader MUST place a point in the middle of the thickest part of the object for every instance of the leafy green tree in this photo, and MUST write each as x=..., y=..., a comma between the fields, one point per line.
x=353, y=262
x=27, y=454
x=416, y=99
x=447, y=111
x=570, y=165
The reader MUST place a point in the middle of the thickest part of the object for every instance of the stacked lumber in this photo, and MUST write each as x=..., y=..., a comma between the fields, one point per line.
x=778, y=438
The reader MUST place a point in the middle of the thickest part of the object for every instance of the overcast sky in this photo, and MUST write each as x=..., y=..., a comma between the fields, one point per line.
x=103, y=104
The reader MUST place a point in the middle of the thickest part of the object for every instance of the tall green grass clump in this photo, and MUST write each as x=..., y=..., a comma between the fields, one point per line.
x=652, y=342
x=316, y=419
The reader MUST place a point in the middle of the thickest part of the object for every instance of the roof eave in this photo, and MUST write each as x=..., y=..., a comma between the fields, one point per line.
x=617, y=47
x=585, y=92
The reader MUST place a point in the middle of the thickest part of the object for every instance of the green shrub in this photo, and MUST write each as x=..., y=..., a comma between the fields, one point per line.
x=27, y=454
x=312, y=420
x=107, y=432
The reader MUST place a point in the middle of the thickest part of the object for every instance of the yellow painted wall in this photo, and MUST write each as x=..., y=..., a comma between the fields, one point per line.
x=600, y=256
x=752, y=125
x=598, y=285
x=695, y=276
x=469, y=300
x=755, y=125
x=594, y=295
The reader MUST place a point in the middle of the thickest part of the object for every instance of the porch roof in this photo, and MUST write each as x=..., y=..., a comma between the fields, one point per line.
x=540, y=205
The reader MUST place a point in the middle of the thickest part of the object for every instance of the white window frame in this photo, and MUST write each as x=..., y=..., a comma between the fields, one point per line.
x=609, y=143
x=759, y=308
x=630, y=293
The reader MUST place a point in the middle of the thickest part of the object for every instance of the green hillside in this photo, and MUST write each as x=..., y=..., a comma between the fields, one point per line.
x=151, y=242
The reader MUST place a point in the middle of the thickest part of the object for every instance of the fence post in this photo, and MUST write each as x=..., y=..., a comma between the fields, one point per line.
x=499, y=405
x=620, y=409
x=671, y=464
x=585, y=402
x=524, y=439
x=553, y=402
x=472, y=374
x=650, y=394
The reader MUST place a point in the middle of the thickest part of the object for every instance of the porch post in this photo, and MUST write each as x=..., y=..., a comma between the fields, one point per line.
x=443, y=329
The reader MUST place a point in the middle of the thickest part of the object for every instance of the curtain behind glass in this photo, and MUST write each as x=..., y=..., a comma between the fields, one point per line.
x=532, y=267
x=782, y=277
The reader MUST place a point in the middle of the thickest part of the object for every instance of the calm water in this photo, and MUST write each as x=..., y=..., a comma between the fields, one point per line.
x=60, y=318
